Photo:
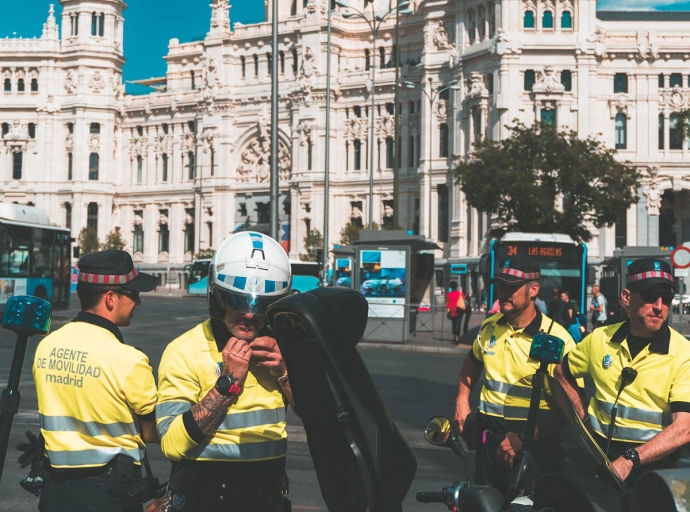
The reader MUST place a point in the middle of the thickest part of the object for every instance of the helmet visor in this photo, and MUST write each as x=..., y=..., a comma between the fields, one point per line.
x=243, y=303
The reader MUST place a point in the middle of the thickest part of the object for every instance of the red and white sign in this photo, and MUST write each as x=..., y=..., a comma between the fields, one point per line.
x=680, y=257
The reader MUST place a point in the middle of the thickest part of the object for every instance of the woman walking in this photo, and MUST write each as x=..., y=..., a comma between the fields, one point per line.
x=455, y=304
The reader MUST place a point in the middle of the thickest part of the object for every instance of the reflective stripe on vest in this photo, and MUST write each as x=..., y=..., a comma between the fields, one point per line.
x=94, y=457
x=637, y=435
x=655, y=418
x=170, y=410
x=87, y=428
x=247, y=451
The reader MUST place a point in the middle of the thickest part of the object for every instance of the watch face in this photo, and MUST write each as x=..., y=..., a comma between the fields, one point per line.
x=223, y=384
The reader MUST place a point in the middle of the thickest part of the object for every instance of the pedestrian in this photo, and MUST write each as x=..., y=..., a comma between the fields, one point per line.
x=653, y=420
x=502, y=351
x=455, y=302
x=224, y=387
x=96, y=395
x=468, y=313
x=598, y=308
x=568, y=309
x=556, y=307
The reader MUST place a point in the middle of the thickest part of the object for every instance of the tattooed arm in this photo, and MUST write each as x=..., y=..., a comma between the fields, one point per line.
x=210, y=412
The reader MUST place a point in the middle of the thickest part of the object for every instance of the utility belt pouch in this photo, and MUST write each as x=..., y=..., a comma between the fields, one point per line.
x=120, y=474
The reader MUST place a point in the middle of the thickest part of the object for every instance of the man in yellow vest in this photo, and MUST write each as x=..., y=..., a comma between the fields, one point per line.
x=96, y=395
x=502, y=349
x=642, y=368
x=223, y=387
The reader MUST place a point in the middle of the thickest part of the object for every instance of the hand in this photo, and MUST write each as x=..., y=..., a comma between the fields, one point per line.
x=462, y=411
x=236, y=356
x=266, y=353
x=507, y=451
x=33, y=455
x=623, y=467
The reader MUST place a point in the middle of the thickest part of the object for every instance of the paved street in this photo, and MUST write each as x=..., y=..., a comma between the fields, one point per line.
x=414, y=386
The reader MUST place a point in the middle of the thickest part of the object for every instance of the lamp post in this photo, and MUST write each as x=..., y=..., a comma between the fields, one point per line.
x=431, y=96
x=374, y=25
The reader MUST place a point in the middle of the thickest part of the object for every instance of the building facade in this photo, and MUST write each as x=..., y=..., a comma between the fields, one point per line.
x=179, y=169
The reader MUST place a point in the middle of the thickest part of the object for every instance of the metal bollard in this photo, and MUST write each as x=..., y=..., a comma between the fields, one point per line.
x=25, y=316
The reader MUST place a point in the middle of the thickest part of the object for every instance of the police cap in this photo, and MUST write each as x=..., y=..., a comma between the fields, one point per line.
x=647, y=272
x=517, y=271
x=114, y=268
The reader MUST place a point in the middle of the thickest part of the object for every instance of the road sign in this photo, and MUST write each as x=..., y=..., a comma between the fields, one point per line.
x=682, y=272
x=680, y=257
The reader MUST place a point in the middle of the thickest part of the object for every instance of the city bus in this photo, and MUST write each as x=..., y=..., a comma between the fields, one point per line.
x=197, y=282
x=563, y=263
x=35, y=257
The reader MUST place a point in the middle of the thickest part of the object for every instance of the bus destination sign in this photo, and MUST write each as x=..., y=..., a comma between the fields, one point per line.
x=538, y=250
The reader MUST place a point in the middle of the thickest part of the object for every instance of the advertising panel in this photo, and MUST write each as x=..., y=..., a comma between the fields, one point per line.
x=10, y=287
x=383, y=281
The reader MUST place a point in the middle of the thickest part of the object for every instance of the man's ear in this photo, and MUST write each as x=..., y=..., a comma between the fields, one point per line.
x=625, y=297
x=109, y=300
x=534, y=290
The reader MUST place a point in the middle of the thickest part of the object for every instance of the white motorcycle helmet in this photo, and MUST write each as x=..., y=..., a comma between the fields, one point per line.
x=248, y=273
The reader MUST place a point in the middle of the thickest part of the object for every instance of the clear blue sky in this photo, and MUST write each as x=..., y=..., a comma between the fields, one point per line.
x=150, y=24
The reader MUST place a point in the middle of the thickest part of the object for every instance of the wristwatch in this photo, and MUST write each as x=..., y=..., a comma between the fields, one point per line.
x=632, y=455
x=226, y=386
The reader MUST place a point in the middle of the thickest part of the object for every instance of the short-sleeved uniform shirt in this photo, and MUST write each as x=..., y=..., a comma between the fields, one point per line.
x=504, y=352
x=662, y=385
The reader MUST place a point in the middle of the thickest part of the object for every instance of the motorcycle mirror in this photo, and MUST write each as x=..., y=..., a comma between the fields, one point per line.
x=438, y=431
x=546, y=348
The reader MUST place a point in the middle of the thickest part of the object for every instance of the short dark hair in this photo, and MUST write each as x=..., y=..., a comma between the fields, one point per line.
x=90, y=295
x=453, y=285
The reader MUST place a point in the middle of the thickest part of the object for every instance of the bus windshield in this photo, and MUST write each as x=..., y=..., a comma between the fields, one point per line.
x=35, y=260
x=563, y=263
x=305, y=276
x=197, y=282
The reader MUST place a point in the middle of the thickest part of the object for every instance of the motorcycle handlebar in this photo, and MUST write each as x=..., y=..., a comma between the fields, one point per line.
x=430, y=497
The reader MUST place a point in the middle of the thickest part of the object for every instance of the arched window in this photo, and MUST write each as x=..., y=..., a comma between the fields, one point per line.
x=164, y=175
x=621, y=131
x=529, y=79
x=567, y=79
x=101, y=25
x=8, y=85
x=293, y=9
x=92, y=216
x=547, y=20
x=528, y=20
x=70, y=166
x=94, y=161
x=243, y=62
x=94, y=24
x=566, y=20
x=256, y=65
x=192, y=165
x=20, y=85
x=32, y=130
x=676, y=80
x=34, y=85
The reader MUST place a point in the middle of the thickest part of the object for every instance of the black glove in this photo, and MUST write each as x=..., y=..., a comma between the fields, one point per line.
x=33, y=456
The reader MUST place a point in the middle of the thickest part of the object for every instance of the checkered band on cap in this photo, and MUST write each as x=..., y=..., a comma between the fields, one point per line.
x=107, y=279
x=634, y=278
x=527, y=276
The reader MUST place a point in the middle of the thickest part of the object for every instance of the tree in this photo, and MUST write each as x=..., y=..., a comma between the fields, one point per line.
x=205, y=254
x=88, y=241
x=114, y=240
x=313, y=243
x=543, y=180
x=351, y=231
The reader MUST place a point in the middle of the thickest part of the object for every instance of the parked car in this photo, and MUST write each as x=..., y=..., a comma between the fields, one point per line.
x=686, y=304
x=382, y=285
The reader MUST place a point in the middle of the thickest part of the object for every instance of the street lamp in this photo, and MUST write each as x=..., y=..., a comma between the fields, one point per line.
x=431, y=96
x=374, y=25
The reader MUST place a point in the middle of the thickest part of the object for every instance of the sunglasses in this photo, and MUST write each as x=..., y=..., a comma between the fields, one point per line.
x=650, y=296
x=132, y=294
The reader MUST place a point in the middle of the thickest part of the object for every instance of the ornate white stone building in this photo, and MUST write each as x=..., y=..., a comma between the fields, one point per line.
x=179, y=169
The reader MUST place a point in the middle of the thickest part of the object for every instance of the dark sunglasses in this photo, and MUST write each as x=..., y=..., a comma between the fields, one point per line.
x=650, y=296
x=132, y=294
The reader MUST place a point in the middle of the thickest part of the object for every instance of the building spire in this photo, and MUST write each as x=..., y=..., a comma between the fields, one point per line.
x=220, y=18
x=50, y=27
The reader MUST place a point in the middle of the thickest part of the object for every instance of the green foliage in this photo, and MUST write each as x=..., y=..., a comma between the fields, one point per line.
x=684, y=124
x=88, y=241
x=313, y=243
x=205, y=254
x=351, y=231
x=114, y=240
x=543, y=180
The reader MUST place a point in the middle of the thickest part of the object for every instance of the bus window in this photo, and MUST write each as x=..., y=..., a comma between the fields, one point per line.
x=19, y=263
